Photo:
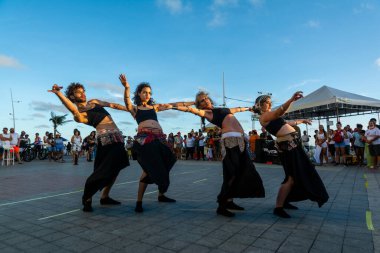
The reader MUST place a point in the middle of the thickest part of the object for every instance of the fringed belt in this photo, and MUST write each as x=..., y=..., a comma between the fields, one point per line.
x=109, y=137
x=145, y=137
x=287, y=142
x=231, y=140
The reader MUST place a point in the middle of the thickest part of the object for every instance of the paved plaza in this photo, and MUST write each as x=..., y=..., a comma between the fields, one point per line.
x=40, y=211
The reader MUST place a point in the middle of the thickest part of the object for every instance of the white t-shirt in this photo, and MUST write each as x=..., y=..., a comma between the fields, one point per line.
x=190, y=142
x=371, y=133
x=5, y=143
x=347, y=141
x=305, y=139
x=14, y=140
x=201, y=142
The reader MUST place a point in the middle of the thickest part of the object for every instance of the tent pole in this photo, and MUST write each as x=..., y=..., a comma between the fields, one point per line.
x=327, y=123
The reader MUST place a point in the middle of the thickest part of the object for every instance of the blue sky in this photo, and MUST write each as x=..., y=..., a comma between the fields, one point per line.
x=180, y=47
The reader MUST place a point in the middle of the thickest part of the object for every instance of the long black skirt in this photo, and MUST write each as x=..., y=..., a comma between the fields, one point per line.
x=240, y=178
x=109, y=160
x=156, y=159
x=307, y=183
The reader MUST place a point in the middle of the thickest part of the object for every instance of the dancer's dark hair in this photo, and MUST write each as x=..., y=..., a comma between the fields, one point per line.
x=260, y=100
x=200, y=93
x=71, y=89
x=136, y=96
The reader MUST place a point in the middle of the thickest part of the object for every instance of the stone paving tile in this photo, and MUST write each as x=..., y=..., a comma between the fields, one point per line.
x=191, y=224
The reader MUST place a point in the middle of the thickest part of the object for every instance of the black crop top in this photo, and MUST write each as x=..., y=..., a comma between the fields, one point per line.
x=142, y=115
x=275, y=125
x=96, y=115
x=218, y=115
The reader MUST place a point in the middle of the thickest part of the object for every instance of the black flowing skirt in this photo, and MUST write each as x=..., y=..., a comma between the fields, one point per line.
x=240, y=178
x=156, y=159
x=109, y=160
x=307, y=183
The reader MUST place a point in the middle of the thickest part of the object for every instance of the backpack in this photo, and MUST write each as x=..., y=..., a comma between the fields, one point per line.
x=338, y=138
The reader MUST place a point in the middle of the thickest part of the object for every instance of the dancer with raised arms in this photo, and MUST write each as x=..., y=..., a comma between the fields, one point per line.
x=153, y=153
x=240, y=178
x=301, y=179
x=111, y=156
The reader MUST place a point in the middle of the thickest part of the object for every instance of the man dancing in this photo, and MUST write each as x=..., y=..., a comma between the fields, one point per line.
x=111, y=156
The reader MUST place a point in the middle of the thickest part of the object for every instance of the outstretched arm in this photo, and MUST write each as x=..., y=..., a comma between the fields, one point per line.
x=67, y=103
x=127, y=95
x=163, y=107
x=280, y=111
x=240, y=109
x=198, y=112
x=107, y=104
x=299, y=121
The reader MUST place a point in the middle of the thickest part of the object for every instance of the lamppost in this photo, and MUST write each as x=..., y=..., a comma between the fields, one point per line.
x=13, y=110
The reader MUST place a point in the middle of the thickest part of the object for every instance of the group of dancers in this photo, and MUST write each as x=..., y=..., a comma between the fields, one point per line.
x=240, y=178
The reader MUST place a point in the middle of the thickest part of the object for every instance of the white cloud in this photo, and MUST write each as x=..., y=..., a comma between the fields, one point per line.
x=377, y=62
x=224, y=3
x=218, y=19
x=256, y=3
x=47, y=107
x=363, y=8
x=9, y=62
x=219, y=10
x=174, y=6
x=313, y=24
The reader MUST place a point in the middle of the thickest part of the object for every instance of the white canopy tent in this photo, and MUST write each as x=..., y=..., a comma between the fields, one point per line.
x=327, y=102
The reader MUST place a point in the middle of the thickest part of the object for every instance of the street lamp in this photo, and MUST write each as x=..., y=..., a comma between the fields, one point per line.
x=13, y=110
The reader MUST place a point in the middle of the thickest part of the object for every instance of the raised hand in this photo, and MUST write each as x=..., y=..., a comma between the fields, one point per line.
x=307, y=121
x=124, y=81
x=55, y=89
x=297, y=95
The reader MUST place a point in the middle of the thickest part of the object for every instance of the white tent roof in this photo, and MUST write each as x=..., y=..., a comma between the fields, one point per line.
x=327, y=101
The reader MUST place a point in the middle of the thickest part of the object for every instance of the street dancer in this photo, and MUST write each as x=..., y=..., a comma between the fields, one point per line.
x=153, y=153
x=240, y=178
x=301, y=179
x=111, y=156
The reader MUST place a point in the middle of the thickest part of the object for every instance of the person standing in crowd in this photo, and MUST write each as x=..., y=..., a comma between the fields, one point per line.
x=252, y=143
x=201, y=146
x=301, y=179
x=23, y=141
x=178, y=145
x=153, y=153
x=322, y=142
x=240, y=178
x=5, y=139
x=50, y=145
x=110, y=156
x=347, y=136
x=37, y=144
x=372, y=136
x=171, y=142
x=15, y=144
x=59, y=147
x=331, y=144
x=190, y=146
x=305, y=141
x=91, y=143
x=359, y=144
x=339, y=145
x=76, y=144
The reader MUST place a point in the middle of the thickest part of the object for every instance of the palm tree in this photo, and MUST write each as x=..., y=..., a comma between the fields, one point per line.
x=58, y=120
